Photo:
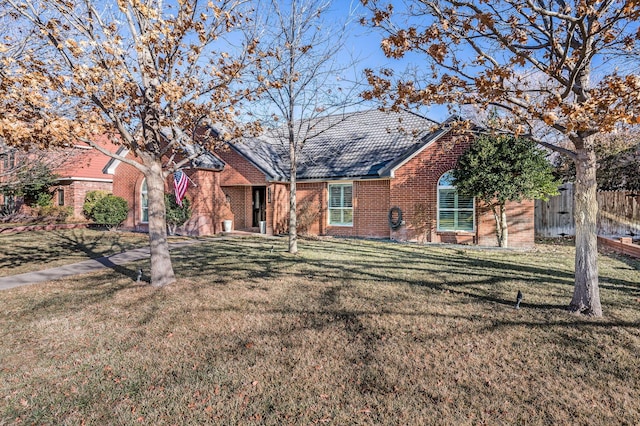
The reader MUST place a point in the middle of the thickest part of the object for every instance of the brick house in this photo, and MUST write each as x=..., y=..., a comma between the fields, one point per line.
x=84, y=169
x=80, y=169
x=208, y=202
x=367, y=174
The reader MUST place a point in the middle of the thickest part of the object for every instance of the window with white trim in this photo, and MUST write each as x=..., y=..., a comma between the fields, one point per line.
x=341, y=204
x=456, y=212
x=144, y=202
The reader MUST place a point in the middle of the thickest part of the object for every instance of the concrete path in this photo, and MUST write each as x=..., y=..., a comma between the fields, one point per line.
x=83, y=267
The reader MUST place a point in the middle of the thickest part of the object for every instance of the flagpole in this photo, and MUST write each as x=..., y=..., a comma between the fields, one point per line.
x=192, y=182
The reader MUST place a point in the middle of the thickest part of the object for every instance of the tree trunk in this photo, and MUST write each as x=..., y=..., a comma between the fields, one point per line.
x=293, y=146
x=504, y=234
x=293, y=216
x=502, y=231
x=161, y=267
x=586, y=295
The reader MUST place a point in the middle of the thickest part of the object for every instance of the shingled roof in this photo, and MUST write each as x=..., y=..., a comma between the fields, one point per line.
x=364, y=145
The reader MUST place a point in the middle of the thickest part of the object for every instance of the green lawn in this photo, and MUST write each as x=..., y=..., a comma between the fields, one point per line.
x=347, y=332
x=35, y=250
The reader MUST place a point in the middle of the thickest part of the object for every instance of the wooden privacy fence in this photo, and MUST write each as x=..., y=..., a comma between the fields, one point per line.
x=619, y=214
x=554, y=218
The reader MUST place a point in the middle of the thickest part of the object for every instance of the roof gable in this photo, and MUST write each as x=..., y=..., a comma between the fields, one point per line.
x=84, y=162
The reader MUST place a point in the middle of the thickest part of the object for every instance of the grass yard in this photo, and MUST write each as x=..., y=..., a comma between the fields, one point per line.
x=35, y=250
x=347, y=332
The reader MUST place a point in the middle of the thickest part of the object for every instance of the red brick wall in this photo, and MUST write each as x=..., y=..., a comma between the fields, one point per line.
x=310, y=207
x=278, y=209
x=370, y=204
x=238, y=203
x=239, y=171
x=520, y=221
x=126, y=184
x=209, y=207
x=311, y=203
x=414, y=190
x=76, y=191
x=371, y=208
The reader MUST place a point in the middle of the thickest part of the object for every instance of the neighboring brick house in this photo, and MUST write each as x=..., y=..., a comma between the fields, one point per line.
x=354, y=179
x=83, y=169
x=79, y=168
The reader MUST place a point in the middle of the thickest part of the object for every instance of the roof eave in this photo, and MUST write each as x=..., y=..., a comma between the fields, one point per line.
x=269, y=177
x=208, y=169
x=113, y=163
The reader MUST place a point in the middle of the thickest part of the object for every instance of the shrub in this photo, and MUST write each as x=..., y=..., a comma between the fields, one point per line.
x=110, y=211
x=176, y=215
x=90, y=200
x=52, y=213
x=44, y=199
x=31, y=182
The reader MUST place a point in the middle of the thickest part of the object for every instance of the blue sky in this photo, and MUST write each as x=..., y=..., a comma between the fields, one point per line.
x=364, y=43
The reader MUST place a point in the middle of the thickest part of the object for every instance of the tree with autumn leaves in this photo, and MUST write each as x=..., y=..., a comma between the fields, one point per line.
x=562, y=64
x=146, y=73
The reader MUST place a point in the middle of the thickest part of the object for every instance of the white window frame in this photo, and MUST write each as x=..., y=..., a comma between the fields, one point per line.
x=144, y=201
x=342, y=208
x=455, y=210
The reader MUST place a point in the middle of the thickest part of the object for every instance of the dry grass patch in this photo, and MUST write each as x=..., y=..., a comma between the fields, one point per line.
x=347, y=332
x=35, y=250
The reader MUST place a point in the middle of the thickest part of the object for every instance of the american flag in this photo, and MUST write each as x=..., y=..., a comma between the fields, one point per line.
x=180, y=183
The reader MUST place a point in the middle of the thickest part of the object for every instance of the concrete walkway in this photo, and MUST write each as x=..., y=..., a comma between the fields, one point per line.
x=84, y=267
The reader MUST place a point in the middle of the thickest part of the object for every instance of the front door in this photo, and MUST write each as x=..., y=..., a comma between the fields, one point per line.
x=259, y=205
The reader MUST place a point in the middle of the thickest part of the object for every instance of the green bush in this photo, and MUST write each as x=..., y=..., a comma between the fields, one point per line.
x=110, y=211
x=31, y=181
x=90, y=200
x=44, y=199
x=176, y=215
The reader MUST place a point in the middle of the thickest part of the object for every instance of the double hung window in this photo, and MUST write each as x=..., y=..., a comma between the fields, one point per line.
x=341, y=204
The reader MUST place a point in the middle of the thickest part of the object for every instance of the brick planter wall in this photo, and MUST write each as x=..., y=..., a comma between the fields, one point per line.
x=50, y=227
x=621, y=245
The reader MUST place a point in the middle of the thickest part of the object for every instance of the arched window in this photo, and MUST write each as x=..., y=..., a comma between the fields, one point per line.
x=455, y=211
x=144, y=202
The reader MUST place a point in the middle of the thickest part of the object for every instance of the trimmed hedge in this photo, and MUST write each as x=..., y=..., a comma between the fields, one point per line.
x=110, y=211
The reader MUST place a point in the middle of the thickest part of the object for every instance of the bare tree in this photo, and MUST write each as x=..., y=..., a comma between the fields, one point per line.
x=548, y=61
x=305, y=77
x=146, y=73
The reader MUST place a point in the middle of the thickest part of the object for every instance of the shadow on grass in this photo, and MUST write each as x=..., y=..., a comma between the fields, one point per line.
x=437, y=270
x=462, y=272
x=41, y=247
x=472, y=275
